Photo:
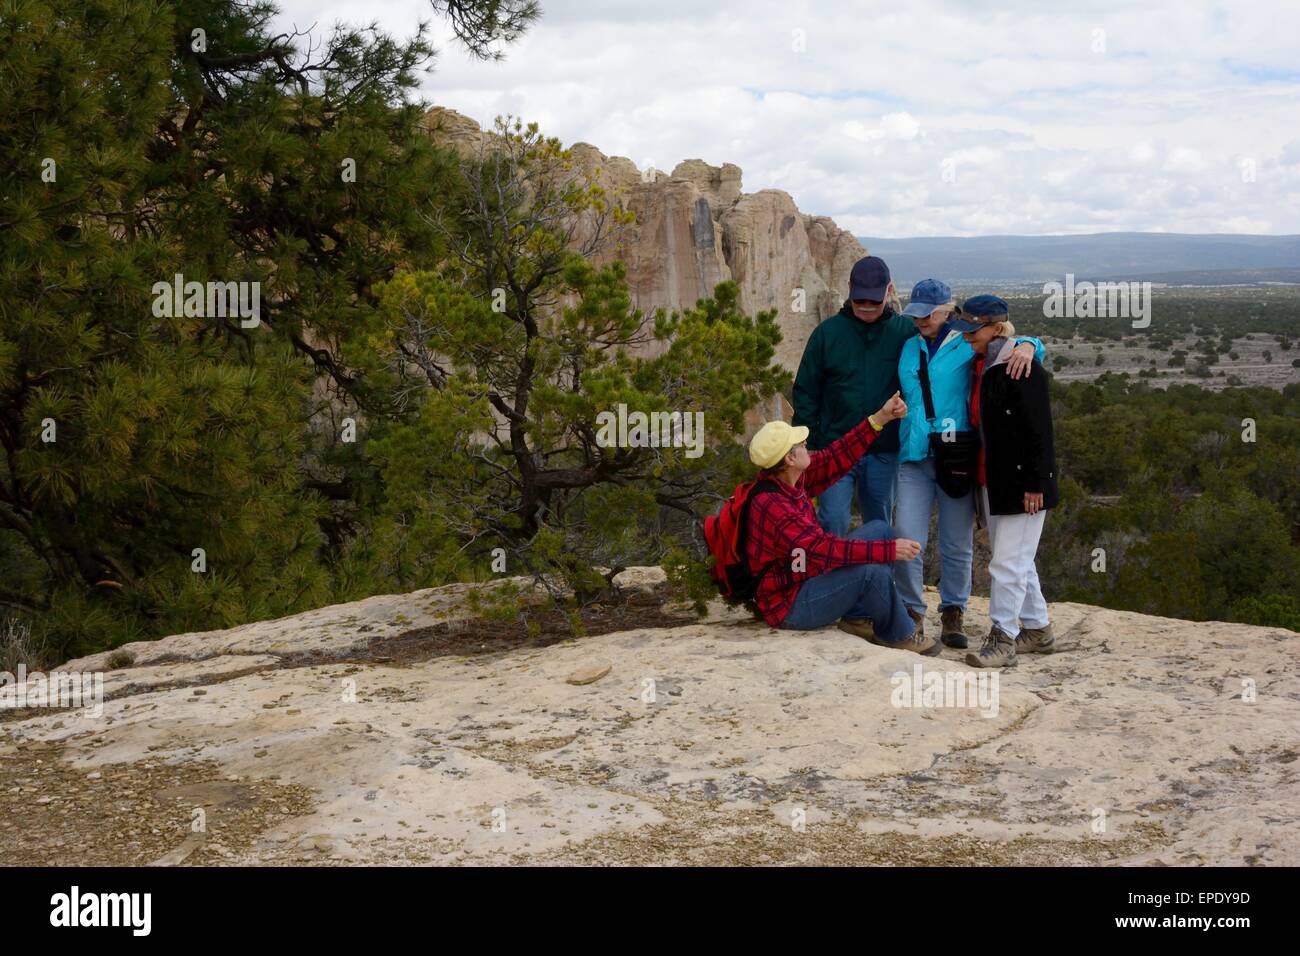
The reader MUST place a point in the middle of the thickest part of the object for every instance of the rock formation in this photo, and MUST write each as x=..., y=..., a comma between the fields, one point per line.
x=694, y=228
x=391, y=730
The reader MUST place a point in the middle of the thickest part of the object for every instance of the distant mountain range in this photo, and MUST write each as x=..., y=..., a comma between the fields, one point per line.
x=1160, y=257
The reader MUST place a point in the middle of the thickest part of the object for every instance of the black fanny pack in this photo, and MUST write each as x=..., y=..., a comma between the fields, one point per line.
x=956, y=454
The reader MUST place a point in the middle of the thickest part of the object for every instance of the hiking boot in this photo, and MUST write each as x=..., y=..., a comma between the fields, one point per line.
x=998, y=650
x=861, y=627
x=918, y=618
x=1036, y=640
x=916, y=641
x=953, y=635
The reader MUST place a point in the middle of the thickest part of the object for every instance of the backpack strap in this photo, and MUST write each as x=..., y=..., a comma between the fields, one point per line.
x=762, y=486
x=924, y=373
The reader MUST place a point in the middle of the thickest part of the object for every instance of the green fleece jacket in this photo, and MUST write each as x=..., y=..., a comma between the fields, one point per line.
x=848, y=370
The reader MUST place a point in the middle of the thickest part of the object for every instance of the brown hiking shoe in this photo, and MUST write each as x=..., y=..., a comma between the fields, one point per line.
x=952, y=635
x=916, y=642
x=918, y=618
x=1036, y=640
x=998, y=650
x=861, y=627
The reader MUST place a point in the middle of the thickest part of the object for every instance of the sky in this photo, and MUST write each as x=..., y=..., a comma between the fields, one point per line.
x=916, y=118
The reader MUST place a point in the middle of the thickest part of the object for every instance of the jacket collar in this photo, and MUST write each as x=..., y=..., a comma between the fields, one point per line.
x=998, y=353
x=789, y=490
x=952, y=334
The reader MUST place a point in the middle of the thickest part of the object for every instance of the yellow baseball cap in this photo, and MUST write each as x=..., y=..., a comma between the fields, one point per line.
x=773, y=441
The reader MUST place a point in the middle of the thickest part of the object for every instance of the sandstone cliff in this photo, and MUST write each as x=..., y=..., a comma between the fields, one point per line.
x=695, y=227
x=391, y=730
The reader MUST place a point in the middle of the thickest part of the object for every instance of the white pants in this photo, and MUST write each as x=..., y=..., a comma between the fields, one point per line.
x=1015, y=597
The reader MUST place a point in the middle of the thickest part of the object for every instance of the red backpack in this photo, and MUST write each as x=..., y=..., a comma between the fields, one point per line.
x=726, y=534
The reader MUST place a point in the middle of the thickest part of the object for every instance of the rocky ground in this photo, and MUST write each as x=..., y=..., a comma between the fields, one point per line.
x=391, y=730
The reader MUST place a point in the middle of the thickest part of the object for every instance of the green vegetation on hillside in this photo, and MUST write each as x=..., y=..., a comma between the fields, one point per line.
x=1193, y=496
x=1218, y=316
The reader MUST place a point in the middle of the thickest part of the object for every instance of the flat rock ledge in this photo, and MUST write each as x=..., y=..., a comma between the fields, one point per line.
x=720, y=741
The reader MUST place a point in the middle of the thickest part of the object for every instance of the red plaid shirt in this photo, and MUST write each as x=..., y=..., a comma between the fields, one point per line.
x=781, y=521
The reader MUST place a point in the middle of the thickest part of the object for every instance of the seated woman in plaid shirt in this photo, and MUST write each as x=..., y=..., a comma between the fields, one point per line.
x=808, y=578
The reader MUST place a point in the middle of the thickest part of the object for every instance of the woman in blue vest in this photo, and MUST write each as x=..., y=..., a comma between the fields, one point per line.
x=948, y=361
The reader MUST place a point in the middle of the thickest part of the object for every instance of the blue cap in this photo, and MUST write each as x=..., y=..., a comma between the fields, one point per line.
x=927, y=295
x=987, y=307
x=983, y=309
x=869, y=279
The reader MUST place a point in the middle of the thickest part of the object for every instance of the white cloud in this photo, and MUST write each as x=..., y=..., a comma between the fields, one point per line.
x=1047, y=135
x=899, y=125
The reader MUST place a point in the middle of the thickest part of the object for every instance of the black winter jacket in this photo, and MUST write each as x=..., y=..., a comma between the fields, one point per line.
x=1016, y=426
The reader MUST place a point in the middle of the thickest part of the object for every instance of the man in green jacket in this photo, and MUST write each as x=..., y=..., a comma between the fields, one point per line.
x=849, y=368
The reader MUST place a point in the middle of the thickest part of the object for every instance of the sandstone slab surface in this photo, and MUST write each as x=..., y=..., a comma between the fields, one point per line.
x=1144, y=741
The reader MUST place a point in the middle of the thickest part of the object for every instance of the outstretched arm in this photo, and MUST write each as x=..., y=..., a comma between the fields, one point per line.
x=831, y=463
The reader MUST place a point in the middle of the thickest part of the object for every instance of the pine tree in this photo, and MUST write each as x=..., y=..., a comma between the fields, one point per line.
x=515, y=349
x=163, y=464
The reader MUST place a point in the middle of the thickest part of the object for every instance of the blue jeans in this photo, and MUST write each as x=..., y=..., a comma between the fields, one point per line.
x=875, y=477
x=917, y=491
x=860, y=591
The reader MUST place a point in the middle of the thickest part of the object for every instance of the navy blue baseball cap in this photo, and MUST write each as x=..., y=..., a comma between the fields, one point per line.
x=869, y=279
x=985, y=308
x=927, y=295
x=982, y=309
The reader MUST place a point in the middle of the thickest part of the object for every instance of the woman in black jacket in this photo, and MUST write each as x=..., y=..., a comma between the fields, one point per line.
x=1018, y=485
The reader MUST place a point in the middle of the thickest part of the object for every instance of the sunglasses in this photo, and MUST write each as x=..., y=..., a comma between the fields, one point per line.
x=868, y=303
